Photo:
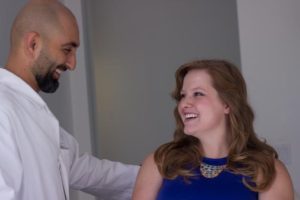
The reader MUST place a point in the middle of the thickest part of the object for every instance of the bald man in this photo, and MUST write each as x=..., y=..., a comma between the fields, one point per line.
x=38, y=159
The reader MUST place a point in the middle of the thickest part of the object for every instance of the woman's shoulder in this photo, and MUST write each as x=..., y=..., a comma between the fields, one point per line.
x=281, y=187
x=148, y=181
x=149, y=160
x=149, y=166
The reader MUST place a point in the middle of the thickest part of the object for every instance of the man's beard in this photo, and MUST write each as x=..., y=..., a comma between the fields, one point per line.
x=46, y=82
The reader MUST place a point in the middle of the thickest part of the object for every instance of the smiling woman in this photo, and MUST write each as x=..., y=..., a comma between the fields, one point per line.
x=200, y=108
x=215, y=147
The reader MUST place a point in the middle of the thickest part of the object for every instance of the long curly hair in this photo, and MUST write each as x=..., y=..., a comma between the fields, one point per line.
x=248, y=155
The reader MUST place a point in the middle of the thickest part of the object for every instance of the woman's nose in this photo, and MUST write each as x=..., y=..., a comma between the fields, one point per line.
x=186, y=102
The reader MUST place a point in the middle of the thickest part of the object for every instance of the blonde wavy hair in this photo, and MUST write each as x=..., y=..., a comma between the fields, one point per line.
x=248, y=155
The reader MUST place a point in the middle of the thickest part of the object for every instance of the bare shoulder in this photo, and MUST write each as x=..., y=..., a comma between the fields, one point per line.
x=282, y=187
x=148, y=180
x=280, y=168
x=149, y=166
x=149, y=161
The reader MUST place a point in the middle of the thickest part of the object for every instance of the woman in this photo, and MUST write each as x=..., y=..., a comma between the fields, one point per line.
x=215, y=153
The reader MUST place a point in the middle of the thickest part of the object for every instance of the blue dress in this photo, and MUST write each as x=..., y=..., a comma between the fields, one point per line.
x=226, y=186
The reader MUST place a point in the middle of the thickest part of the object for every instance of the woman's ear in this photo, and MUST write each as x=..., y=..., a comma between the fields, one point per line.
x=32, y=44
x=226, y=109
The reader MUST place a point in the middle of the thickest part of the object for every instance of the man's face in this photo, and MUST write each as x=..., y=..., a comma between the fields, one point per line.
x=56, y=56
x=47, y=72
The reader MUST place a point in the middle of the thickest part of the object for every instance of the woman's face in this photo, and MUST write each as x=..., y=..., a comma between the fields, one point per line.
x=200, y=108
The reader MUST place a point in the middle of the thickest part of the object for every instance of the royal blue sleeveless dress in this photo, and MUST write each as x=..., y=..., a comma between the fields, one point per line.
x=226, y=186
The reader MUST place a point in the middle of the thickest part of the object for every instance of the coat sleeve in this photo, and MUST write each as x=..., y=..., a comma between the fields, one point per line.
x=108, y=180
x=10, y=162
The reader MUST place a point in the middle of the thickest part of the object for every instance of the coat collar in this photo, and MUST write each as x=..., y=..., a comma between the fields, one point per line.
x=16, y=84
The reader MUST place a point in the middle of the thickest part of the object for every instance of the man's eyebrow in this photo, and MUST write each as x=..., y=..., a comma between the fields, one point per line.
x=73, y=44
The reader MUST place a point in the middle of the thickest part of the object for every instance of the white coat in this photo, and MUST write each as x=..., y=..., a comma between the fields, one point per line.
x=39, y=160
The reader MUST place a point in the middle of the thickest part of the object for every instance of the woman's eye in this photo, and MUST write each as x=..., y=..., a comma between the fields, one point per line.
x=182, y=96
x=198, y=94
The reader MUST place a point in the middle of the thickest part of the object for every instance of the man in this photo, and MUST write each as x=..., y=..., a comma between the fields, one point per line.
x=39, y=159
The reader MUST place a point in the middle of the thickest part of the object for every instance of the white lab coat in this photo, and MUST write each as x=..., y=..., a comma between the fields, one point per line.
x=39, y=160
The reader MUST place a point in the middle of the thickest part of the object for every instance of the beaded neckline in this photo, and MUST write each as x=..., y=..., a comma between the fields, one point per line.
x=212, y=167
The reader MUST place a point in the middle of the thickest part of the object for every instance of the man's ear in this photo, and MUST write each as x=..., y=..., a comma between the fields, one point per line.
x=32, y=44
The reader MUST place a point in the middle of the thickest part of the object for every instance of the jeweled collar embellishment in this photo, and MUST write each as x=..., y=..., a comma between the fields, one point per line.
x=211, y=171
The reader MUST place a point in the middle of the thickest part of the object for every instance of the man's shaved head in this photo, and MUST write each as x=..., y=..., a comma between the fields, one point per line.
x=41, y=16
x=44, y=39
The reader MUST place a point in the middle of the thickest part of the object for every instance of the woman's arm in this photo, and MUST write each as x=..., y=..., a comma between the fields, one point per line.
x=282, y=187
x=148, y=181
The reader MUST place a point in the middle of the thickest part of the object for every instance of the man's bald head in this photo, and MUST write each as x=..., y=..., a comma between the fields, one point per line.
x=43, y=17
x=44, y=39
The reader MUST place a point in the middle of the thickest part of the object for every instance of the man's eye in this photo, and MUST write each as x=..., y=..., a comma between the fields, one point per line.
x=67, y=51
x=198, y=94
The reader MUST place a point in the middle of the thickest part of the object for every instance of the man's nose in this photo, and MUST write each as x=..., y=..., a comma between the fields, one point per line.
x=71, y=62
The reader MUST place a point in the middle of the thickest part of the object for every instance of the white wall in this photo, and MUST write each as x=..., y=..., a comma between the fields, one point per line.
x=8, y=10
x=270, y=52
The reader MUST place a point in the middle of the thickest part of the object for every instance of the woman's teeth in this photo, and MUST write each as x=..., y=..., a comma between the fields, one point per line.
x=190, y=116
